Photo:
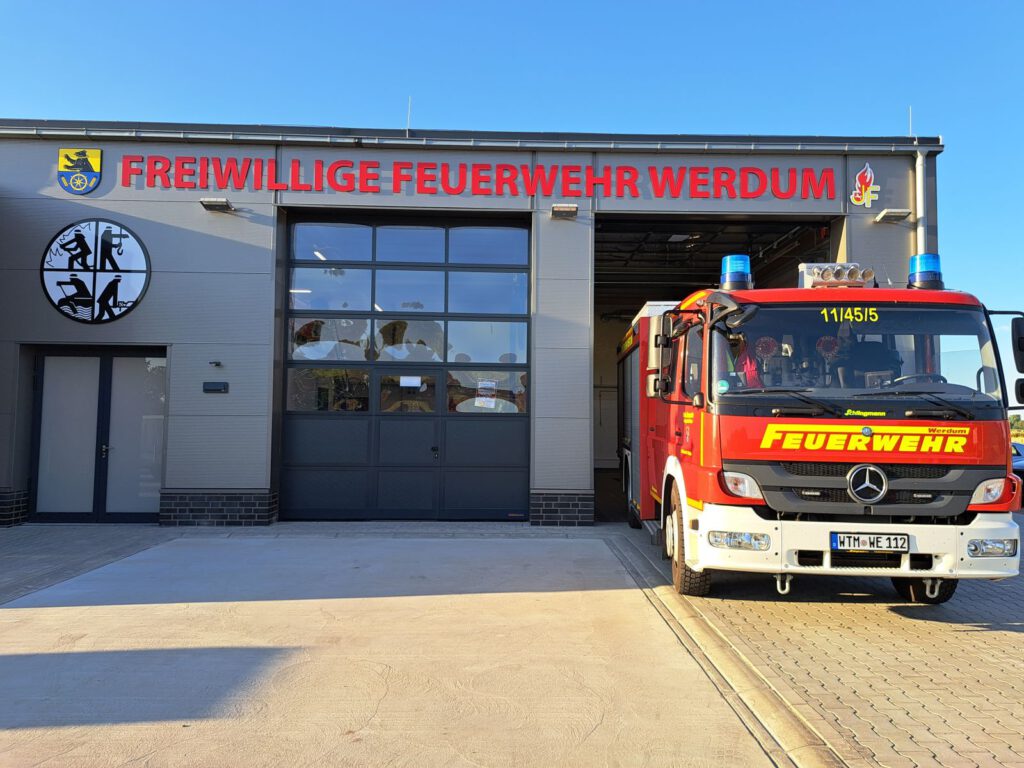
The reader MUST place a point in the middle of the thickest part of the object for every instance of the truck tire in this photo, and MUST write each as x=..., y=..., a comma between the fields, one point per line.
x=914, y=590
x=685, y=580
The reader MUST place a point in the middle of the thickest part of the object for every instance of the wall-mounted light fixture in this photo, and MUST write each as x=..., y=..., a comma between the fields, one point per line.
x=564, y=210
x=216, y=204
x=892, y=214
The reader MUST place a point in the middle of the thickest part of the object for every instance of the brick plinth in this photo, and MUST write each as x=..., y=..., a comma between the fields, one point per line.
x=218, y=508
x=13, y=507
x=561, y=508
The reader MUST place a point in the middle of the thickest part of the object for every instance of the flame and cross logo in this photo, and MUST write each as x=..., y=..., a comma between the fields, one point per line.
x=865, y=191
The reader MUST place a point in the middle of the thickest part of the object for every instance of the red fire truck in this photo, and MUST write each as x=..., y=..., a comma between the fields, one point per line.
x=835, y=428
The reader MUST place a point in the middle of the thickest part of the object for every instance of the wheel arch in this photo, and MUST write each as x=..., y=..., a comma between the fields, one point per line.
x=673, y=475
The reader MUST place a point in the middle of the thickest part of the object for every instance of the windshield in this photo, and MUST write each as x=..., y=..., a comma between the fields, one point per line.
x=846, y=350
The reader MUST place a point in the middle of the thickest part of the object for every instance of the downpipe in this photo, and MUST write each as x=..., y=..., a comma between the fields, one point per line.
x=921, y=202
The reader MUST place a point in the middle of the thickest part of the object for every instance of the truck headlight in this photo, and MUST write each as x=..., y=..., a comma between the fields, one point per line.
x=758, y=542
x=992, y=547
x=739, y=484
x=989, y=491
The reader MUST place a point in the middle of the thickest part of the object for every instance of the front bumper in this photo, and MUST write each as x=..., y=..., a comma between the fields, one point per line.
x=947, y=544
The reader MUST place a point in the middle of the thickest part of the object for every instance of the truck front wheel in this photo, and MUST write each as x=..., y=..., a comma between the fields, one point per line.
x=914, y=590
x=685, y=580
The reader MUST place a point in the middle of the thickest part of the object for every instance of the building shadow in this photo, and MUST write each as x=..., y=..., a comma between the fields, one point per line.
x=49, y=690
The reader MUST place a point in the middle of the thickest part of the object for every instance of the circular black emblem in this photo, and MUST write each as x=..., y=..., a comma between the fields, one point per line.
x=866, y=484
x=95, y=271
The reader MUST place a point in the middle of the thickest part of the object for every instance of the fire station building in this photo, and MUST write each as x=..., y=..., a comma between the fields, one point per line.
x=234, y=325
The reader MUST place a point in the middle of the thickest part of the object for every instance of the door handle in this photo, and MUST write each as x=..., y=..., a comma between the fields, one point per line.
x=678, y=433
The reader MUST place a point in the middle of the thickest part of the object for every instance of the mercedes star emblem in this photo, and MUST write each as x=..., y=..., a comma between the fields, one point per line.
x=866, y=484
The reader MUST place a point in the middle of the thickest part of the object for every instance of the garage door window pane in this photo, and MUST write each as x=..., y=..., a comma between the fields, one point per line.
x=486, y=342
x=328, y=389
x=407, y=394
x=334, y=288
x=419, y=244
x=401, y=290
x=332, y=242
x=339, y=338
x=410, y=340
x=487, y=391
x=488, y=245
x=495, y=293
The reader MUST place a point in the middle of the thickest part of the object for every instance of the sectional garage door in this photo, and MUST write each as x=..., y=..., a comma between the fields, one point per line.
x=407, y=379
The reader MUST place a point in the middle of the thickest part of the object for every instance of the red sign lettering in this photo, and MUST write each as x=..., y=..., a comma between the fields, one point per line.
x=485, y=179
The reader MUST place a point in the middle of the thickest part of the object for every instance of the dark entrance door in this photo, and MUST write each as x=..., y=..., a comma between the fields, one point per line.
x=408, y=444
x=99, y=434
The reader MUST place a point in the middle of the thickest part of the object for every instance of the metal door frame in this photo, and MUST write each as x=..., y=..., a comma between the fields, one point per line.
x=106, y=357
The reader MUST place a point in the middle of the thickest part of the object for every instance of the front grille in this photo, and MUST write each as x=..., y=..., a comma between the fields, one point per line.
x=893, y=471
x=840, y=496
x=866, y=559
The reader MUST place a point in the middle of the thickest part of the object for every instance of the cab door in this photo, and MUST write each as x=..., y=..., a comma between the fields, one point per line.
x=690, y=377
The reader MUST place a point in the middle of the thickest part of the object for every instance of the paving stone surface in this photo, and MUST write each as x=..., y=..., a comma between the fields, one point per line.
x=881, y=679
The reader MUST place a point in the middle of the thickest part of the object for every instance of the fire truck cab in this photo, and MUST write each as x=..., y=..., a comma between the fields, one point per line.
x=836, y=428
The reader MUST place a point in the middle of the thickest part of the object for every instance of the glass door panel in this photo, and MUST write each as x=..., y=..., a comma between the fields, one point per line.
x=136, y=440
x=67, y=437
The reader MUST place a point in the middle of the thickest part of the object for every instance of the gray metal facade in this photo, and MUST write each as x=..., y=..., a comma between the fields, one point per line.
x=217, y=289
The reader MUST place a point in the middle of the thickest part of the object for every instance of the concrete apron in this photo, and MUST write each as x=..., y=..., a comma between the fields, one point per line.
x=780, y=728
x=369, y=650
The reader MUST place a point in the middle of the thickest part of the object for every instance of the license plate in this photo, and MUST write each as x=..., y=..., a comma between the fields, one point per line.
x=870, y=542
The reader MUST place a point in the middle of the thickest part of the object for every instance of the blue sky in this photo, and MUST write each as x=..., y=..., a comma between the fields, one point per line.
x=681, y=67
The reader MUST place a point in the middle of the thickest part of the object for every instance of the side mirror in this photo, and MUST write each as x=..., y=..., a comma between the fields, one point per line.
x=663, y=342
x=1019, y=390
x=744, y=316
x=1017, y=334
x=698, y=399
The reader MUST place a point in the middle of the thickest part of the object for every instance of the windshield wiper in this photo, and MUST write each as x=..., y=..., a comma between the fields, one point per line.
x=928, y=395
x=821, y=406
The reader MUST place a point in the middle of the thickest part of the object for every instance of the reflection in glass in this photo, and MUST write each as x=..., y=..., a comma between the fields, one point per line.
x=488, y=245
x=135, y=463
x=332, y=242
x=328, y=389
x=412, y=340
x=407, y=394
x=334, y=288
x=409, y=291
x=497, y=293
x=421, y=244
x=487, y=391
x=339, y=338
x=486, y=342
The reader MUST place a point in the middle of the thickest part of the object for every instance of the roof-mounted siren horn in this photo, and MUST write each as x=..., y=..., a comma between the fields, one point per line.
x=925, y=272
x=736, y=274
x=844, y=275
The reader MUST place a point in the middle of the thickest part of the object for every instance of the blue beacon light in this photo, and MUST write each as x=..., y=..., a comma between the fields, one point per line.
x=736, y=273
x=925, y=272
